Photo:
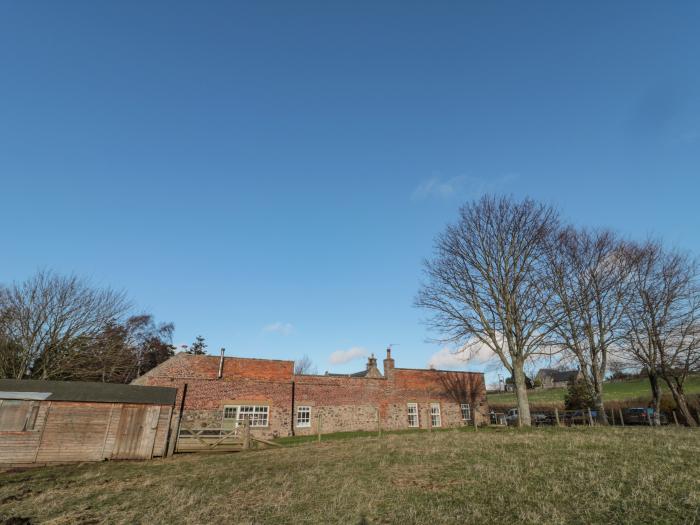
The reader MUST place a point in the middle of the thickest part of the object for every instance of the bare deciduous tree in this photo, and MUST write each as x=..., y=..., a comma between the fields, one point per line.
x=304, y=366
x=664, y=320
x=588, y=274
x=122, y=352
x=48, y=316
x=484, y=283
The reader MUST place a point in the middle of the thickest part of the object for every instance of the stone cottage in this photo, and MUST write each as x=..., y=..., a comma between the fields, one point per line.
x=220, y=392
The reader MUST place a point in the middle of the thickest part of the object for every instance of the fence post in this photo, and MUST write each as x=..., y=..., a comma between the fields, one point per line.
x=246, y=434
x=590, y=418
x=556, y=416
x=622, y=419
x=675, y=418
x=379, y=424
x=318, y=427
x=430, y=419
x=476, y=427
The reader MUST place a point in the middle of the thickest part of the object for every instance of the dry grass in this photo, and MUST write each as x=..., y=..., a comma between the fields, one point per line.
x=584, y=475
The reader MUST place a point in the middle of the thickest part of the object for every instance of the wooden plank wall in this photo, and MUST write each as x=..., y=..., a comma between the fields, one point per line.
x=21, y=447
x=76, y=431
x=161, y=442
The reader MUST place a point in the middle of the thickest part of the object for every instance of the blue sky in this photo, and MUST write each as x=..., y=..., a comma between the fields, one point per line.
x=270, y=175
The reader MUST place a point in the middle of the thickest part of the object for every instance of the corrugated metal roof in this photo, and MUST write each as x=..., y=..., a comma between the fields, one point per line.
x=86, y=391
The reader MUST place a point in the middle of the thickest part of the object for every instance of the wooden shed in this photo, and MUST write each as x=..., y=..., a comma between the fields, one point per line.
x=64, y=421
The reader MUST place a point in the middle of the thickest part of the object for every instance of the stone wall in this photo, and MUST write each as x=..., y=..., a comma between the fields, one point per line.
x=345, y=403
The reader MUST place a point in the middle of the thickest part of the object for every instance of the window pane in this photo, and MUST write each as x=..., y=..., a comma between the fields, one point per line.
x=435, y=419
x=304, y=416
x=257, y=415
x=412, y=415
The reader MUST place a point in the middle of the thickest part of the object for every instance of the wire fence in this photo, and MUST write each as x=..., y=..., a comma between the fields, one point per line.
x=590, y=417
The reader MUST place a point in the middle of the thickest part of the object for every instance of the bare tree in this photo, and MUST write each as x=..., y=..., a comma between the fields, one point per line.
x=483, y=285
x=305, y=366
x=122, y=351
x=588, y=274
x=664, y=320
x=48, y=316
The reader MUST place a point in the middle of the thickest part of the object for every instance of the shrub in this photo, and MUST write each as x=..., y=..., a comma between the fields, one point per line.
x=578, y=396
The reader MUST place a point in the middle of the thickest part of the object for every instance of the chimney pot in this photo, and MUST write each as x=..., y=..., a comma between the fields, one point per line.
x=221, y=363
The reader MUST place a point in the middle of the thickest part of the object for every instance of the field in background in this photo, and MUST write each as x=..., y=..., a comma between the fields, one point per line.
x=583, y=475
x=613, y=391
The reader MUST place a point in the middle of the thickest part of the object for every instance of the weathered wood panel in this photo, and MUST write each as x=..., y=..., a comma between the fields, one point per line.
x=80, y=431
x=136, y=432
x=21, y=447
x=74, y=432
x=161, y=438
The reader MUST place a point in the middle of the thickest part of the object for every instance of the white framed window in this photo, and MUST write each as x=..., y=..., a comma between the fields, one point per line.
x=435, y=419
x=466, y=412
x=256, y=414
x=303, y=416
x=413, y=415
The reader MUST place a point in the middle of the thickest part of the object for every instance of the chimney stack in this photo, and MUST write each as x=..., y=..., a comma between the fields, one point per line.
x=221, y=363
x=372, y=370
x=388, y=363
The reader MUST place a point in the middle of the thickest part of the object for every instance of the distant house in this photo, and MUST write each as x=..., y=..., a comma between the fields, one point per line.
x=550, y=378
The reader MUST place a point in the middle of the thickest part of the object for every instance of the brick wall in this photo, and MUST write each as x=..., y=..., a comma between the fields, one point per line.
x=345, y=403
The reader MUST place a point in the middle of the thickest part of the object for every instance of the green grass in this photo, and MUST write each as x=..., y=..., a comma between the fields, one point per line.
x=573, y=475
x=613, y=391
x=335, y=436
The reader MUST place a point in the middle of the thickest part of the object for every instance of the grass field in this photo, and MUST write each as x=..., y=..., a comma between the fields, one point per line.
x=581, y=475
x=613, y=391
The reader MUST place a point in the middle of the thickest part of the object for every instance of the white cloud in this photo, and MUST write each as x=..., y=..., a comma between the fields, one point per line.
x=279, y=328
x=454, y=359
x=345, y=356
x=463, y=186
x=447, y=359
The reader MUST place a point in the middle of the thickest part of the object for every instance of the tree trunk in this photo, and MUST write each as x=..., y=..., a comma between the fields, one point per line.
x=681, y=401
x=655, y=396
x=601, y=416
x=521, y=394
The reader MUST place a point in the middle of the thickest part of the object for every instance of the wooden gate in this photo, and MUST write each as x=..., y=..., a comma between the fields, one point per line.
x=218, y=439
x=136, y=432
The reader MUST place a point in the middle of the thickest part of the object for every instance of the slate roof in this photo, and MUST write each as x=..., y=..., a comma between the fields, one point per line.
x=86, y=391
x=363, y=373
x=558, y=375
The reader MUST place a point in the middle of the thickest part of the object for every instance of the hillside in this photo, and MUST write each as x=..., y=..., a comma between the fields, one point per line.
x=582, y=475
x=613, y=391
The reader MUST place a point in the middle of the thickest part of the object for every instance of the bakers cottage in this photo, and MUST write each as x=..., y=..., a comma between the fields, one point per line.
x=221, y=392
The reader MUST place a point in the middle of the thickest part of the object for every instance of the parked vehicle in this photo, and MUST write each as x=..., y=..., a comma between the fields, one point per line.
x=641, y=416
x=539, y=418
x=577, y=417
x=536, y=418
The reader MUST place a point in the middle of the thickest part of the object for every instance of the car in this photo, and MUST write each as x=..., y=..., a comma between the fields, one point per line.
x=512, y=417
x=641, y=416
x=536, y=418
x=539, y=418
x=577, y=417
